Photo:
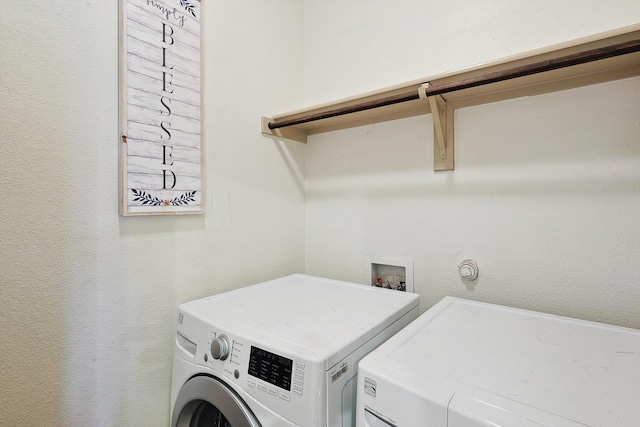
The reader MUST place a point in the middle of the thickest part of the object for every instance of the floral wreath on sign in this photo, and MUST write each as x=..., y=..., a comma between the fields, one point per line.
x=150, y=200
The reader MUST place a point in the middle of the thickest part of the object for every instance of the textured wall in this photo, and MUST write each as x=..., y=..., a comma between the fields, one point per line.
x=87, y=299
x=546, y=191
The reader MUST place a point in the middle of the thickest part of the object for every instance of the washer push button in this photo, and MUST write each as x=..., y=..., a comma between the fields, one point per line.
x=298, y=378
x=285, y=396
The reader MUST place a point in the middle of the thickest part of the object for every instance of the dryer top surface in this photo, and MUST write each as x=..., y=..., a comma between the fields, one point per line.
x=583, y=371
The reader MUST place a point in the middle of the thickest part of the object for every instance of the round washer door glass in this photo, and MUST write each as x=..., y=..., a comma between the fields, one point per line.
x=206, y=401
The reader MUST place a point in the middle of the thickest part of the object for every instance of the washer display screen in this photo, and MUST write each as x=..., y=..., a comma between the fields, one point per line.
x=270, y=367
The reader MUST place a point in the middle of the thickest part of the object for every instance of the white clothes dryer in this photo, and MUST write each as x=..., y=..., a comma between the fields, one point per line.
x=471, y=364
x=281, y=353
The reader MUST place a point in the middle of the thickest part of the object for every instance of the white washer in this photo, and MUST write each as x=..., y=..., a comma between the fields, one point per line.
x=470, y=364
x=281, y=353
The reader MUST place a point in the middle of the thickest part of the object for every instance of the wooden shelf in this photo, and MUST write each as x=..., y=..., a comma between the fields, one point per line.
x=596, y=71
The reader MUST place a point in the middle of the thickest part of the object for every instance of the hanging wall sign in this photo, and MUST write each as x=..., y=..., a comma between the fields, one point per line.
x=161, y=144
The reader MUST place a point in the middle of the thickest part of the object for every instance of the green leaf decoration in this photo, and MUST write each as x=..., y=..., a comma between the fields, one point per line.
x=188, y=7
x=147, y=199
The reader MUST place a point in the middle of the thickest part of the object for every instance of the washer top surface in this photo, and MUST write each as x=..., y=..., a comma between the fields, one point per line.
x=578, y=370
x=319, y=318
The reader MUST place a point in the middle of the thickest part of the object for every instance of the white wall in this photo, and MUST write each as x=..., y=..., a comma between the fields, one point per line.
x=87, y=299
x=546, y=191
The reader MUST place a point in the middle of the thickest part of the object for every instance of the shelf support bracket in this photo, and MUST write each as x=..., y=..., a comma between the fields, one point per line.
x=443, y=130
x=290, y=133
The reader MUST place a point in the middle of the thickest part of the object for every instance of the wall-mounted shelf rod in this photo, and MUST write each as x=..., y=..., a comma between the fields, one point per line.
x=498, y=76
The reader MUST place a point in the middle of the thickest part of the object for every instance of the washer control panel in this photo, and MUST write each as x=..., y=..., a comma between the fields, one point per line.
x=274, y=374
x=271, y=368
x=261, y=372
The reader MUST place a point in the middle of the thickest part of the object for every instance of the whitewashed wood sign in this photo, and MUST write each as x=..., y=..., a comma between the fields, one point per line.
x=161, y=146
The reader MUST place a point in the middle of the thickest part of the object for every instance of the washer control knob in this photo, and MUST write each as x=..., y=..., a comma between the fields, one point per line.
x=220, y=348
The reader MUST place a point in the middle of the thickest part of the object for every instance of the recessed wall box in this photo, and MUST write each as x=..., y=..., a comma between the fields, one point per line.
x=391, y=273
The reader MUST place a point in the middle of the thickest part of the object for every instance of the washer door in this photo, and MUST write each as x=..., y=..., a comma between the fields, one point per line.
x=206, y=401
